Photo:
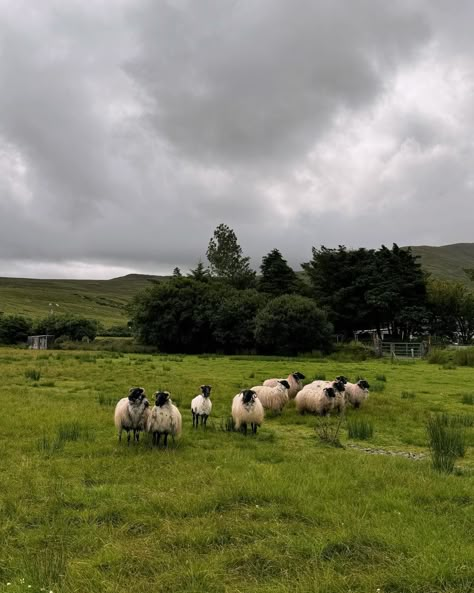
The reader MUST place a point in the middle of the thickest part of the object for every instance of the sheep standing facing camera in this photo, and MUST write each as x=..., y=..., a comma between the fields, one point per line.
x=247, y=409
x=315, y=399
x=201, y=406
x=164, y=419
x=131, y=413
x=356, y=393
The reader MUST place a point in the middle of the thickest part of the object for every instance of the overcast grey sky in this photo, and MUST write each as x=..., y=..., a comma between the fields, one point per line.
x=129, y=129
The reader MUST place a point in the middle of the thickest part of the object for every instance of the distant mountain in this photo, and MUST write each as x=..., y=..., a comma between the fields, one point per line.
x=104, y=300
x=447, y=261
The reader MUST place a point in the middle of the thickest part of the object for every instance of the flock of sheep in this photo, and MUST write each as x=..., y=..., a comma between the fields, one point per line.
x=134, y=415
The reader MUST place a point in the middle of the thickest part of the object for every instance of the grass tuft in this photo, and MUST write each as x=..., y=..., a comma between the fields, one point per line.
x=33, y=374
x=381, y=378
x=447, y=442
x=377, y=386
x=468, y=399
x=408, y=395
x=360, y=429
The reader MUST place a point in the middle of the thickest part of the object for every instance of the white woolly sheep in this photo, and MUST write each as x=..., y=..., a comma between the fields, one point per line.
x=273, y=398
x=131, y=413
x=315, y=399
x=356, y=393
x=294, y=379
x=165, y=419
x=247, y=409
x=201, y=406
x=338, y=385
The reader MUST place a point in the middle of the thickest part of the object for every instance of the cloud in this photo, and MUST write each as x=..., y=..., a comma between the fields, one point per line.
x=128, y=134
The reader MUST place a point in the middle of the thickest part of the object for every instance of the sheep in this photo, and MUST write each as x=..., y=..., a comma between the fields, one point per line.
x=131, y=413
x=338, y=385
x=165, y=418
x=356, y=393
x=315, y=399
x=294, y=379
x=273, y=398
x=201, y=406
x=247, y=408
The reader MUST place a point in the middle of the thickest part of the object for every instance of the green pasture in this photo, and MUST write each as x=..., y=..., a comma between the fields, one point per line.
x=219, y=512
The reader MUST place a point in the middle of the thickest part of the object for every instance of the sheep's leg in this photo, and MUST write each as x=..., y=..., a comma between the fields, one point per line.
x=128, y=437
x=356, y=405
x=205, y=421
x=194, y=419
x=138, y=436
x=120, y=435
x=244, y=426
x=202, y=419
x=166, y=439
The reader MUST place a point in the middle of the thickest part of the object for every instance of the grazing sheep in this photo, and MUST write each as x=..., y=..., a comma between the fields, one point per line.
x=294, y=379
x=201, y=406
x=273, y=398
x=131, y=413
x=247, y=409
x=356, y=393
x=165, y=418
x=315, y=399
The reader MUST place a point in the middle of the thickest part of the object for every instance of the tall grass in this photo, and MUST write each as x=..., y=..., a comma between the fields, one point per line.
x=360, y=429
x=447, y=442
x=468, y=399
x=33, y=374
x=464, y=357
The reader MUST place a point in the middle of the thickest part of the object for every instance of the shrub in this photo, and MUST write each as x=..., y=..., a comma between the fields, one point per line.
x=353, y=351
x=446, y=442
x=68, y=327
x=33, y=374
x=464, y=357
x=377, y=386
x=328, y=431
x=438, y=356
x=14, y=329
x=359, y=428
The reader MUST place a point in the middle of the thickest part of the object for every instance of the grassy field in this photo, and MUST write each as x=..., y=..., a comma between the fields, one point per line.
x=448, y=261
x=104, y=300
x=221, y=512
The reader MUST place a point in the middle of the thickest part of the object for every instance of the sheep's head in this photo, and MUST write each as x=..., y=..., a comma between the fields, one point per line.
x=285, y=383
x=342, y=378
x=161, y=398
x=363, y=384
x=136, y=393
x=329, y=392
x=206, y=390
x=248, y=395
x=298, y=376
x=338, y=386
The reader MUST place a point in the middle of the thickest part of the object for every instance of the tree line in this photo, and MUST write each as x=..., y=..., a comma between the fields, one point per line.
x=225, y=307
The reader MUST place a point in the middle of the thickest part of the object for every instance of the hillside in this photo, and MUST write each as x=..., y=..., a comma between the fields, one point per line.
x=103, y=300
x=447, y=261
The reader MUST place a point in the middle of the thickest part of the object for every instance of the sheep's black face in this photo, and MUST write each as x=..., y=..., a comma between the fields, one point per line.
x=298, y=376
x=339, y=385
x=161, y=398
x=247, y=396
x=136, y=393
x=206, y=390
x=342, y=378
x=329, y=391
x=363, y=384
x=145, y=402
x=285, y=383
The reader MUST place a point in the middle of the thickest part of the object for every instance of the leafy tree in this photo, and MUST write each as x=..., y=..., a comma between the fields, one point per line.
x=226, y=259
x=177, y=273
x=277, y=277
x=234, y=320
x=290, y=324
x=200, y=273
x=72, y=327
x=14, y=329
x=175, y=315
x=451, y=311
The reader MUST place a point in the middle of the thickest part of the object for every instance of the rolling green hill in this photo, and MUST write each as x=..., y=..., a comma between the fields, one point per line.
x=447, y=261
x=103, y=300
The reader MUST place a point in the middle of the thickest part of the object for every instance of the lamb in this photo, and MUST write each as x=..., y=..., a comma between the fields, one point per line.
x=356, y=393
x=315, y=399
x=247, y=408
x=273, y=398
x=294, y=379
x=165, y=418
x=131, y=413
x=201, y=406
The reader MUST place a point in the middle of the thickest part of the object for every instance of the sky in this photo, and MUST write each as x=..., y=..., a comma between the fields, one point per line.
x=130, y=129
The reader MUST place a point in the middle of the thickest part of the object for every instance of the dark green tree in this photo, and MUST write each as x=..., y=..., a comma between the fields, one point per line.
x=177, y=273
x=73, y=327
x=226, y=259
x=200, y=273
x=277, y=277
x=291, y=324
x=451, y=311
x=14, y=329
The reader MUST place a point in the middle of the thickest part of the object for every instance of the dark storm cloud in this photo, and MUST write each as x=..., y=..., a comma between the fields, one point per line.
x=128, y=134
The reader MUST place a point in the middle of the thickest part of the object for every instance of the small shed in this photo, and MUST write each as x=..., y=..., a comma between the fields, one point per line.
x=40, y=342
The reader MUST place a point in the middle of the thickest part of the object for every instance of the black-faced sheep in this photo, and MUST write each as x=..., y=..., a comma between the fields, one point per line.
x=247, y=409
x=273, y=398
x=131, y=413
x=315, y=399
x=165, y=419
x=201, y=406
x=356, y=393
x=294, y=379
